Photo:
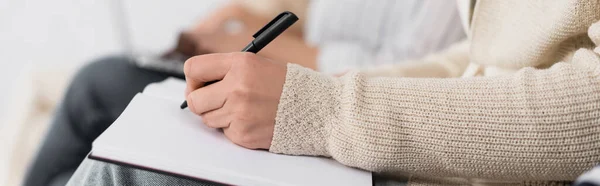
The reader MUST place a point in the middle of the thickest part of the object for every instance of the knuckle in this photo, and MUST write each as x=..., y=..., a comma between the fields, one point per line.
x=194, y=103
x=191, y=103
x=208, y=120
x=244, y=129
x=243, y=59
x=187, y=65
x=246, y=140
x=242, y=115
x=244, y=135
x=212, y=124
x=241, y=92
x=246, y=56
x=195, y=111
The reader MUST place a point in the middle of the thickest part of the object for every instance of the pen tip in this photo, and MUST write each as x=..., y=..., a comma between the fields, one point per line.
x=183, y=105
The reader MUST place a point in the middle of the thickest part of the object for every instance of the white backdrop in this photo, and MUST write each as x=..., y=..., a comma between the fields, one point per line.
x=71, y=32
x=38, y=32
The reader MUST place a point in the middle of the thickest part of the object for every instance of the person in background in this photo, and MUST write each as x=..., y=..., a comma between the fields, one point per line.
x=374, y=32
x=343, y=35
x=524, y=111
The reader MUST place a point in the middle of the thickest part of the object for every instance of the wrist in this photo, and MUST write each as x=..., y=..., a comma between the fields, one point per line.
x=308, y=105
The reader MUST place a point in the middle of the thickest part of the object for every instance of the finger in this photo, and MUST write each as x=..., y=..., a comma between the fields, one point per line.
x=207, y=98
x=245, y=140
x=205, y=68
x=219, y=118
x=189, y=88
x=192, y=85
x=235, y=136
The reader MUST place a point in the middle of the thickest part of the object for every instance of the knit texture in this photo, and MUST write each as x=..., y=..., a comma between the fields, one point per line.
x=541, y=123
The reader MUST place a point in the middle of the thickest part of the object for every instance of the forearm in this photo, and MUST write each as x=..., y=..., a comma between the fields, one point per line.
x=533, y=125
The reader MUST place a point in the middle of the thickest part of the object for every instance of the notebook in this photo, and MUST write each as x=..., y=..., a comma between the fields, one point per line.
x=170, y=89
x=154, y=134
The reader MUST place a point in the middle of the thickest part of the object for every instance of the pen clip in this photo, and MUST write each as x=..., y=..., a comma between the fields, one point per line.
x=281, y=15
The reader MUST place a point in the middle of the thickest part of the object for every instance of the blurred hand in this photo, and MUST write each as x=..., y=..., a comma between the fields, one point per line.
x=232, y=11
x=228, y=29
x=244, y=103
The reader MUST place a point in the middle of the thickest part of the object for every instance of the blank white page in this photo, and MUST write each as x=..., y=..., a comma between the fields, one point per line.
x=154, y=133
x=170, y=88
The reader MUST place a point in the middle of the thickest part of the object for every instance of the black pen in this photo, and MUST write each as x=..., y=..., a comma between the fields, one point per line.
x=264, y=36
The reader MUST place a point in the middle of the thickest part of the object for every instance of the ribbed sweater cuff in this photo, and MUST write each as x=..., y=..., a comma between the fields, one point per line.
x=302, y=114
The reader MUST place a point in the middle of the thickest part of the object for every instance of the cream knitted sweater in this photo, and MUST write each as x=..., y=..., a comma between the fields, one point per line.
x=535, y=115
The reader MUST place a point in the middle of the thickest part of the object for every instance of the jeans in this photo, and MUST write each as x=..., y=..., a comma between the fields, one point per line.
x=97, y=95
x=97, y=173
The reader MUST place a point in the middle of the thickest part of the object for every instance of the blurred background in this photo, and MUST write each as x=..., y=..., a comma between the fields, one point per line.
x=42, y=43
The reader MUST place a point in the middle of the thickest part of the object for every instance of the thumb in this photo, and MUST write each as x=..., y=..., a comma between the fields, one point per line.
x=206, y=68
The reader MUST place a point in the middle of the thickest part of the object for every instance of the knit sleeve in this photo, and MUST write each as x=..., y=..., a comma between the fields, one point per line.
x=447, y=63
x=532, y=125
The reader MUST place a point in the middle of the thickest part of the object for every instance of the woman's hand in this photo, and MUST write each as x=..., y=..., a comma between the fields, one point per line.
x=244, y=103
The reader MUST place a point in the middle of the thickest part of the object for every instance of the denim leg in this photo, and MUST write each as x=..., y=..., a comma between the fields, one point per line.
x=97, y=173
x=97, y=95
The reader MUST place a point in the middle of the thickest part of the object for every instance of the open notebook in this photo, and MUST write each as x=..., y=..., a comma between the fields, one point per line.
x=154, y=134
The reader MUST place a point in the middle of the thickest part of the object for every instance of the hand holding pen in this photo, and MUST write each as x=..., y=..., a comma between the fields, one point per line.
x=264, y=36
